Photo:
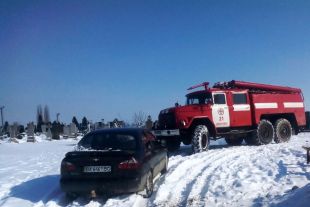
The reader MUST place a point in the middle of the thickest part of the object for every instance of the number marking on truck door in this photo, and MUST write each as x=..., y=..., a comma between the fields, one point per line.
x=220, y=112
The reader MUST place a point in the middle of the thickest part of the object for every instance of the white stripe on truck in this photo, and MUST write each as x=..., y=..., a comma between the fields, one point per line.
x=266, y=105
x=241, y=107
x=293, y=104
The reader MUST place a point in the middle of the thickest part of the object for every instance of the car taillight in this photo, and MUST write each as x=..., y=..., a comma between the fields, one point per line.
x=68, y=166
x=129, y=164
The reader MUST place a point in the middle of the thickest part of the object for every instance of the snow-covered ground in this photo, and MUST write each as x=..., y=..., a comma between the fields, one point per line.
x=222, y=176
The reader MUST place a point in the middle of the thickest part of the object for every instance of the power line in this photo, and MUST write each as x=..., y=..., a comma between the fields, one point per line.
x=1, y=108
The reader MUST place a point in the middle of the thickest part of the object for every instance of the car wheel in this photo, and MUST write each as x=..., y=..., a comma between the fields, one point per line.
x=164, y=170
x=149, y=185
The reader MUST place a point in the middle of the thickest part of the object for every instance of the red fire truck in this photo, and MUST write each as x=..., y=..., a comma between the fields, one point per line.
x=236, y=111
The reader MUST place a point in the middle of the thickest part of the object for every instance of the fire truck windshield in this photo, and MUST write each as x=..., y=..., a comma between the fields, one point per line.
x=203, y=98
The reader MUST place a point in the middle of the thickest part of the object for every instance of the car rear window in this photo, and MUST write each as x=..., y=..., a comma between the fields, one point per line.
x=108, y=141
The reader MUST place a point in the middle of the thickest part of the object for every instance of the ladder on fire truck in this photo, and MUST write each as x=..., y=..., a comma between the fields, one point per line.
x=255, y=87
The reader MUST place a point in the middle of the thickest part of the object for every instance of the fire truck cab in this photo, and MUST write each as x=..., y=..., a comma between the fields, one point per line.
x=235, y=110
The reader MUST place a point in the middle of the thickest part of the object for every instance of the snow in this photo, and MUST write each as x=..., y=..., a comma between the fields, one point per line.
x=223, y=176
x=38, y=138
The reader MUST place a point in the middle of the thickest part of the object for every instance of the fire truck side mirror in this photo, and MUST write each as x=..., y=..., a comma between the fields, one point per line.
x=209, y=102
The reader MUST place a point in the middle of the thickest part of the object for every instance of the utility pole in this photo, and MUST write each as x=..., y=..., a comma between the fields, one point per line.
x=57, y=115
x=1, y=108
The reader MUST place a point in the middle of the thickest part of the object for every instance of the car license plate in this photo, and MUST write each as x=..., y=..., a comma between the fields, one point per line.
x=91, y=169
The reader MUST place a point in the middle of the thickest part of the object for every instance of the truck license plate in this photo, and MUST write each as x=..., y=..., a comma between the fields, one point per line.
x=91, y=169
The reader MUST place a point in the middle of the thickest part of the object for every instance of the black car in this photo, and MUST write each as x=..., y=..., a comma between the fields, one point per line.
x=113, y=161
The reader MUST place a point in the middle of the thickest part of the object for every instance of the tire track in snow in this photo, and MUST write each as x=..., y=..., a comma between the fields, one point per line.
x=257, y=169
x=228, y=168
x=211, y=181
x=203, y=182
x=249, y=170
x=181, y=180
x=212, y=175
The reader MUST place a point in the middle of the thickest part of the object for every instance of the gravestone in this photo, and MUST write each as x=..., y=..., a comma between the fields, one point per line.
x=13, y=130
x=16, y=129
x=99, y=125
x=30, y=132
x=66, y=133
x=44, y=129
x=115, y=124
x=49, y=134
x=56, y=129
x=73, y=130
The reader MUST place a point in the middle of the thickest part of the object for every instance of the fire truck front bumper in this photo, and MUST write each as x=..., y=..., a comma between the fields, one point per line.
x=167, y=132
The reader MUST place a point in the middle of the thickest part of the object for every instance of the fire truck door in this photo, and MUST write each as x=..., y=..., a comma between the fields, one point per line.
x=240, y=112
x=220, y=111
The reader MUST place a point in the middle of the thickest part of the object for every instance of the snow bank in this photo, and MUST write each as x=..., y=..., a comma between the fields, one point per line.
x=222, y=176
x=298, y=198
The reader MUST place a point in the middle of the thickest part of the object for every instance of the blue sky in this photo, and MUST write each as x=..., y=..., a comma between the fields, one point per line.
x=107, y=59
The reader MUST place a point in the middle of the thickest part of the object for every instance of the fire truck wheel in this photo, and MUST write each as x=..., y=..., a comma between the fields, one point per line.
x=283, y=131
x=186, y=140
x=263, y=135
x=200, y=139
x=234, y=141
x=265, y=132
x=173, y=144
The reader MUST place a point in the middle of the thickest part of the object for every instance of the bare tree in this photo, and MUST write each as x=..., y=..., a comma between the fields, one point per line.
x=46, y=114
x=139, y=119
x=39, y=114
x=40, y=119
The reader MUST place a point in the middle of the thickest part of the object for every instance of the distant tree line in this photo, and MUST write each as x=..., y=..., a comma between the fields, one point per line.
x=83, y=126
x=43, y=117
x=140, y=119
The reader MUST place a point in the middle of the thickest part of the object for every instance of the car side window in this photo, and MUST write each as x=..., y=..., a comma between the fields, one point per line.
x=239, y=98
x=148, y=148
x=148, y=142
x=86, y=141
x=219, y=98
